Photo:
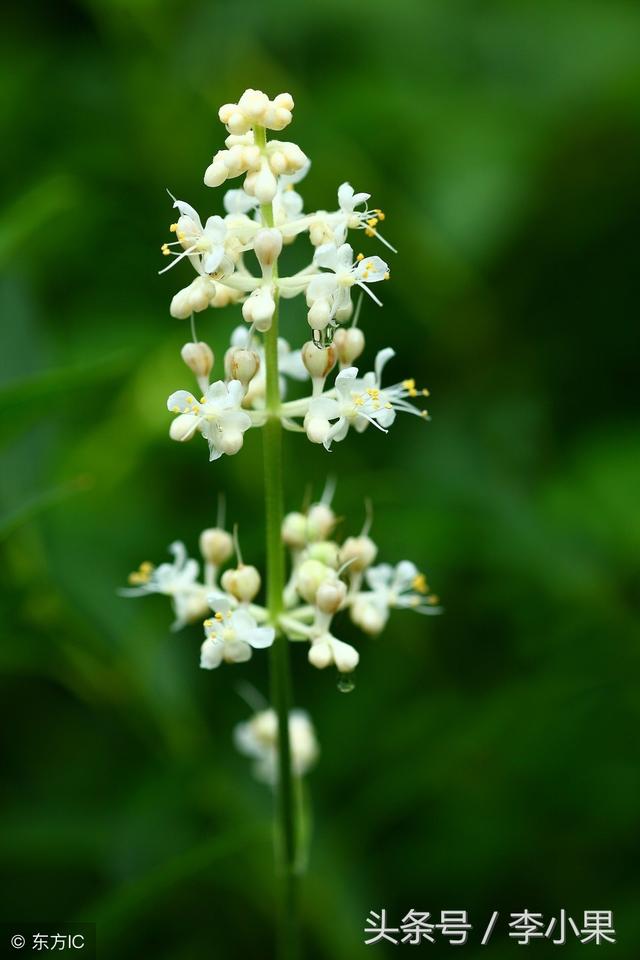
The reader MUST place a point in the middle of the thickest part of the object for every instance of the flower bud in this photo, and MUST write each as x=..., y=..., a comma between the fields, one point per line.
x=230, y=441
x=216, y=545
x=241, y=364
x=294, y=530
x=317, y=428
x=360, y=551
x=331, y=595
x=318, y=361
x=309, y=576
x=344, y=313
x=370, y=618
x=326, y=551
x=242, y=583
x=320, y=655
x=320, y=521
x=215, y=174
x=259, y=308
x=182, y=427
x=349, y=343
x=267, y=245
x=198, y=357
x=319, y=314
x=265, y=185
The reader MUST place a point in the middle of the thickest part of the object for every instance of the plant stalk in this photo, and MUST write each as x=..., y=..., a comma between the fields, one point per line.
x=287, y=809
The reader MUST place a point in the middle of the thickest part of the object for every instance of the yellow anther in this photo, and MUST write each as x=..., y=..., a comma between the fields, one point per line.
x=365, y=274
x=173, y=227
x=373, y=391
x=432, y=599
x=180, y=234
x=165, y=249
x=372, y=222
x=419, y=583
x=208, y=623
x=425, y=392
x=360, y=257
x=424, y=413
x=358, y=401
x=218, y=616
x=142, y=574
x=388, y=406
x=409, y=384
x=369, y=232
x=386, y=276
x=380, y=214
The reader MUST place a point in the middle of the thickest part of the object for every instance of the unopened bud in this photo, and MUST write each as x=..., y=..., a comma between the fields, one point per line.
x=320, y=521
x=267, y=245
x=241, y=364
x=317, y=428
x=349, y=343
x=319, y=314
x=230, y=441
x=182, y=427
x=326, y=551
x=259, y=309
x=319, y=361
x=242, y=583
x=309, y=576
x=331, y=595
x=359, y=552
x=198, y=357
x=216, y=545
x=294, y=530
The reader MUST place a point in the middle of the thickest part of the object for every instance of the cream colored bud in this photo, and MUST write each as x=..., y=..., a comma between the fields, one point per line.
x=319, y=361
x=349, y=343
x=182, y=427
x=242, y=583
x=259, y=309
x=320, y=655
x=215, y=174
x=198, y=357
x=265, y=185
x=319, y=314
x=241, y=364
x=320, y=521
x=267, y=245
x=360, y=552
x=294, y=530
x=317, y=429
x=216, y=545
x=309, y=576
x=326, y=551
x=231, y=441
x=370, y=618
x=331, y=595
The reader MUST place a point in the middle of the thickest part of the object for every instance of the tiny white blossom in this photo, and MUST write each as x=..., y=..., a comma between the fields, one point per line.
x=178, y=580
x=359, y=402
x=329, y=293
x=352, y=218
x=399, y=587
x=258, y=738
x=327, y=649
x=231, y=634
x=217, y=416
x=203, y=245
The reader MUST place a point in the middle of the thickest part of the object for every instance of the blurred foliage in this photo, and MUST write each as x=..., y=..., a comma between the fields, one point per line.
x=487, y=759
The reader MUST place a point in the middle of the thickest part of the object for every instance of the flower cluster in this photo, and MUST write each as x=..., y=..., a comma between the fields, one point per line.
x=258, y=738
x=236, y=258
x=327, y=577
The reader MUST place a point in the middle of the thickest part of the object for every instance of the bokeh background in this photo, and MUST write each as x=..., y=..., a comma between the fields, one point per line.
x=487, y=759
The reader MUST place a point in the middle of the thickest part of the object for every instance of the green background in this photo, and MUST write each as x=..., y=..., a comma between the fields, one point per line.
x=487, y=759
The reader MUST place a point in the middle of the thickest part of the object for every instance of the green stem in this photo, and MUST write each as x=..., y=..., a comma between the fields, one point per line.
x=286, y=806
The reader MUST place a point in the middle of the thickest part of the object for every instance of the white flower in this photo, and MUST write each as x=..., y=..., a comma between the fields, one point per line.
x=258, y=738
x=329, y=294
x=327, y=649
x=359, y=402
x=399, y=587
x=178, y=580
x=218, y=416
x=204, y=245
x=352, y=218
x=287, y=203
x=231, y=634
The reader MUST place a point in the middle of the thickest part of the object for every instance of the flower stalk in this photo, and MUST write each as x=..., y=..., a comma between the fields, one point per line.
x=288, y=830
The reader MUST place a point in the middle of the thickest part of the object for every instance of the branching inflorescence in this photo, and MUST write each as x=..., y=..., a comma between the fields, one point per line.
x=237, y=260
